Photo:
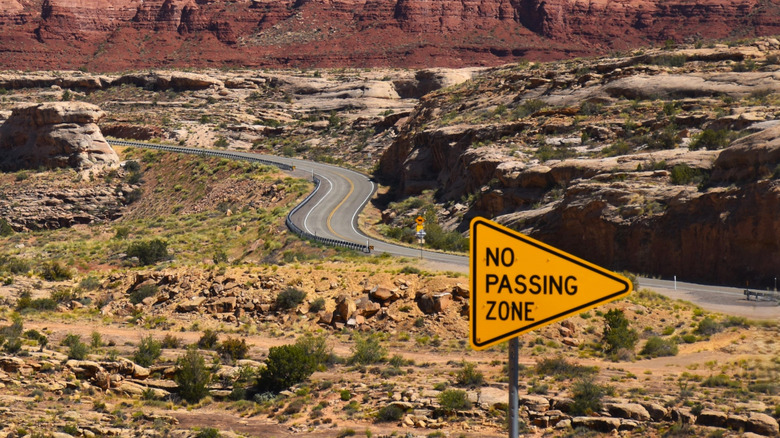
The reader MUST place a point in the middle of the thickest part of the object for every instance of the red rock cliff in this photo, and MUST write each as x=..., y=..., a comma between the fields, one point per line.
x=117, y=34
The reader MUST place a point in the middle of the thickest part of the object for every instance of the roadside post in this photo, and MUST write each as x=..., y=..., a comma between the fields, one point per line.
x=519, y=284
x=420, y=232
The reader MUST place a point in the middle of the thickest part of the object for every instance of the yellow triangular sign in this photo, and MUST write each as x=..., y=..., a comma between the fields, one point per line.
x=519, y=284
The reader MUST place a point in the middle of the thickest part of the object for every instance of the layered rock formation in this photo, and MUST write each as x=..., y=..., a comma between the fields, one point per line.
x=650, y=185
x=55, y=135
x=117, y=34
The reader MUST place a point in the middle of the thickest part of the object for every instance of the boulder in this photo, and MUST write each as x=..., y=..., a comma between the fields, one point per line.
x=345, y=307
x=367, y=308
x=601, y=424
x=762, y=424
x=55, y=135
x=712, y=418
x=633, y=411
x=657, y=412
x=383, y=295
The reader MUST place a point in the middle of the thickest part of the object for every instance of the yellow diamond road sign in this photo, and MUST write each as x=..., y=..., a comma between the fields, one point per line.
x=519, y=284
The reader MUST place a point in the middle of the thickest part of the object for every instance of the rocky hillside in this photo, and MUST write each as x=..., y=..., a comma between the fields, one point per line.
x=110, y=35
x=663, y=163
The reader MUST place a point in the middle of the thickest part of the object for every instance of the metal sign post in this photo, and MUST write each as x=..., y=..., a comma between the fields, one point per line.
x=514, y=357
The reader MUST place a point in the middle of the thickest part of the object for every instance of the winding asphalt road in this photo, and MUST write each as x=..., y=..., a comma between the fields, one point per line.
x=332, y=213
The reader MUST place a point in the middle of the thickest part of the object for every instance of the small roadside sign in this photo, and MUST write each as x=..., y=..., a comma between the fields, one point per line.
x=420, y=220
x=519, y=284
x=420, y=228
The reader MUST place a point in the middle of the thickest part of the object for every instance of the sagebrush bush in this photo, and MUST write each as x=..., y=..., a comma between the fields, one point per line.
x=562, y=369
x=367, y=350
x=389, y=413
x=587, y=397
x=289, y=298
x=468, y=375
x=286, y=365
x=657, y=347
x=708, y=326
x=454, y=400
x=54, y=271
x=232, y=349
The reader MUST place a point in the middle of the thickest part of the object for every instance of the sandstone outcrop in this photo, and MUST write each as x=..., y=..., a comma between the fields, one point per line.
x=55, y=135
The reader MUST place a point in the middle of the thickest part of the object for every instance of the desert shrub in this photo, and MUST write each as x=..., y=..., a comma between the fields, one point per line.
x=26, y=302
x=5, y=228
x=232, y=349
x=148, y=351
x=54, y=271
x=289, y=298
x=711, y=139
x=587, y=397
x=617, y=334
x=286, y=365
x=528, y=108
x=454, y=400
x=719, y=381
x=89, y=283
x=14, y=265
x=209, y=340
x=669, y=60
x=143, y=292
x=170, y=341
x=208, y=432
x=708, y=326
x=657, y=346
x=389, y=413
x=367, y=350
x=345, y=395
x=193, y=377
x=468, y=375
x=562, y=369
x=317, y=305
x=149, y=252
x=317, y=348
x=683, y=174
x=76, y=348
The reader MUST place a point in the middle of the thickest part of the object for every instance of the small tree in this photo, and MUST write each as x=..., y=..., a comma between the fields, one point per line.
x=209, y=340
x=193, y=377
x=233, y=349
x=587, y=397
x=617, y=334
x=286, y=365
x=148, y=351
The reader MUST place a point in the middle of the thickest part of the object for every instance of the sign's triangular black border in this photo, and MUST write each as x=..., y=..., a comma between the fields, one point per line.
x=557, y=253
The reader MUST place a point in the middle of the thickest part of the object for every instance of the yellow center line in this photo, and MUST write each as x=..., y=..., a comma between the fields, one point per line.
x=351, y=189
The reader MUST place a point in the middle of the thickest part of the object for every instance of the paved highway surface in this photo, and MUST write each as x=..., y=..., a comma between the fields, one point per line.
x=331, y=213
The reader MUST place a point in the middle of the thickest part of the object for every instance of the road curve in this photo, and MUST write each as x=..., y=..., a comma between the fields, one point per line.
x=330, y=214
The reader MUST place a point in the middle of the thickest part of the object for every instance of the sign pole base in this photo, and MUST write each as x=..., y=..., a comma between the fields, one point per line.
x=514, y=356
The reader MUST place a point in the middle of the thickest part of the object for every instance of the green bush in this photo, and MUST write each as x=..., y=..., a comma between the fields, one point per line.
x=345, y=395
x=454, y=400
x=559, y=367
x=389, y=413
x=192, y=376
x=316, y=347
x=367, y=350
x=317, y=305
x=149, y=252
x=208, y=432
x=54, y=271
x=708, y=326
x=77, y=349
x=468, y=375
x=711, y=139
x=233, y=349
x=719, y=381
x=143, y=292
x=289, y=298
x=170, y=341
x=587, y=397
x=617, y=334
x=209, y=340
x=683, y=174
x=89, y=283
x=5, y=228
x=14, y=265
x=657, y=347
x=286, y=365
x=148, y=351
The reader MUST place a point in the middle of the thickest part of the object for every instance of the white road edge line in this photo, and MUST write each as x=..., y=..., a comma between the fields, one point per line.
x=306, y=219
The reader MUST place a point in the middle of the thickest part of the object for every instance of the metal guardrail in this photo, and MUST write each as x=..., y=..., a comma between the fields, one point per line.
x=222, y=154
x=762, y=295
